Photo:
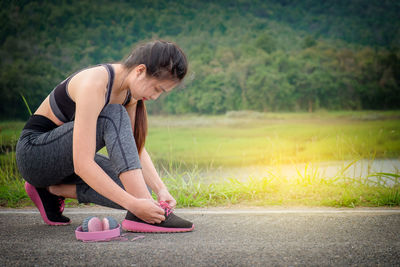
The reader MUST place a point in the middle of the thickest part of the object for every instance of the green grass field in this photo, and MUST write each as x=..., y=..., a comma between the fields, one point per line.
x=242, y=139
x=183, y=146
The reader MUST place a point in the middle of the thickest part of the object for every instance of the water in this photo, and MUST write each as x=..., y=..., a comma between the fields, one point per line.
x=360, y=169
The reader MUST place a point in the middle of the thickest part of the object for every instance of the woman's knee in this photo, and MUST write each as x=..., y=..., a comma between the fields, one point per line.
x=114, y=112
x=114, y=116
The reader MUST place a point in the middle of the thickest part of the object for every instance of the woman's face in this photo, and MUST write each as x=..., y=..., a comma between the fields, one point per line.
x=144, y=87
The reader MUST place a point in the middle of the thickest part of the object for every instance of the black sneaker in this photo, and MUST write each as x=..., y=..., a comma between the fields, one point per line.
x=50, y=206
x=172, y=223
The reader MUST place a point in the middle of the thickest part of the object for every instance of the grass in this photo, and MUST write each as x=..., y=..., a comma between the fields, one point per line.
x=12, y=191
x=308, y=188
x=184, y=147
x=272, y=139
x=9, y=133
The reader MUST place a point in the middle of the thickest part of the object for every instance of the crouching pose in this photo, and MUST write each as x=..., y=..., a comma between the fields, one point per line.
x=101, y=106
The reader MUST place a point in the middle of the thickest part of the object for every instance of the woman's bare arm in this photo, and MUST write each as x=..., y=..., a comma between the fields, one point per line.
x=150, y=174
x=89, y=101
x=153, y=179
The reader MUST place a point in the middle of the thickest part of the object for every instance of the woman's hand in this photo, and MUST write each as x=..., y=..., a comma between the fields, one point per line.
x=148, y=210
x=164, y=195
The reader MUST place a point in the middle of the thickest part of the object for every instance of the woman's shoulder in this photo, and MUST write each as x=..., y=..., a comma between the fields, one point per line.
x=93, y=73
x=94, y=79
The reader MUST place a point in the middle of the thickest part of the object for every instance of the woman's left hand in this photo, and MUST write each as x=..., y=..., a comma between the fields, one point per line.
x=164, y=195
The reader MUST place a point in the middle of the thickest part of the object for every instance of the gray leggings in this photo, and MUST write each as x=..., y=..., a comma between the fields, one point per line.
x=45, y=158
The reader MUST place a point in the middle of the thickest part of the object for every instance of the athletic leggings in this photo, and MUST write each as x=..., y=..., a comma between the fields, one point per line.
x=44, y=152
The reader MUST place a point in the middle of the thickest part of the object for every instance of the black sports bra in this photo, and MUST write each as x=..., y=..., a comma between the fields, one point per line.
x=64, y=107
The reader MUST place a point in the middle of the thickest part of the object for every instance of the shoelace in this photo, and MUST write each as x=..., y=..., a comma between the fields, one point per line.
x=123, y=237
x=53, y=203
x=61, y=203
x=165, y=206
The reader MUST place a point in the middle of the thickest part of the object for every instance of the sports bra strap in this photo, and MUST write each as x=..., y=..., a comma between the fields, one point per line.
x=128, y=98
x=110, y=82
x=61, y=103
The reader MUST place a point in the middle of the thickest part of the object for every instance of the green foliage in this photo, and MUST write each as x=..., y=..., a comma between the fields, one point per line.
x=266, y=42
x=257, y=55
x=309, y=41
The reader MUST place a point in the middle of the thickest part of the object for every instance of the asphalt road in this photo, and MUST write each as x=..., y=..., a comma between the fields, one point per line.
x=222, y=237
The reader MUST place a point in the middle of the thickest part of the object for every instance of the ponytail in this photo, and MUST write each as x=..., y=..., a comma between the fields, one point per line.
x=140, y=129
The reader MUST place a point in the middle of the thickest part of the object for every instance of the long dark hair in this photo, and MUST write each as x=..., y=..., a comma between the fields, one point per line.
x=163, y=60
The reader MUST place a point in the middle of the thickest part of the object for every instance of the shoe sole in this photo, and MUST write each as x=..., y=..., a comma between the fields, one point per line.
x=34, y=196
x=138, y=227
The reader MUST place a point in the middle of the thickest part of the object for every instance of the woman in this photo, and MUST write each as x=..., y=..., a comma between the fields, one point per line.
x=96, y=107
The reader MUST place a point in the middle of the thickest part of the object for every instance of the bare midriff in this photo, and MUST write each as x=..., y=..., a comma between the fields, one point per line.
x=45, y=110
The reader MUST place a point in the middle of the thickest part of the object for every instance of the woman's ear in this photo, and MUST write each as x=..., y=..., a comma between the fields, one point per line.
x=140, y=69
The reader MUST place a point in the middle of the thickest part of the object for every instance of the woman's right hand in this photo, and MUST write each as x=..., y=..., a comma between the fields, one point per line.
x=148, y=210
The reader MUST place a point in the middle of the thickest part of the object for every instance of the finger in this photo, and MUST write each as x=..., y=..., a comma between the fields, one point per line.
x=155, y=220
x=160, y=211
x=159, y=219
x=149, y=221
x=173, y=204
